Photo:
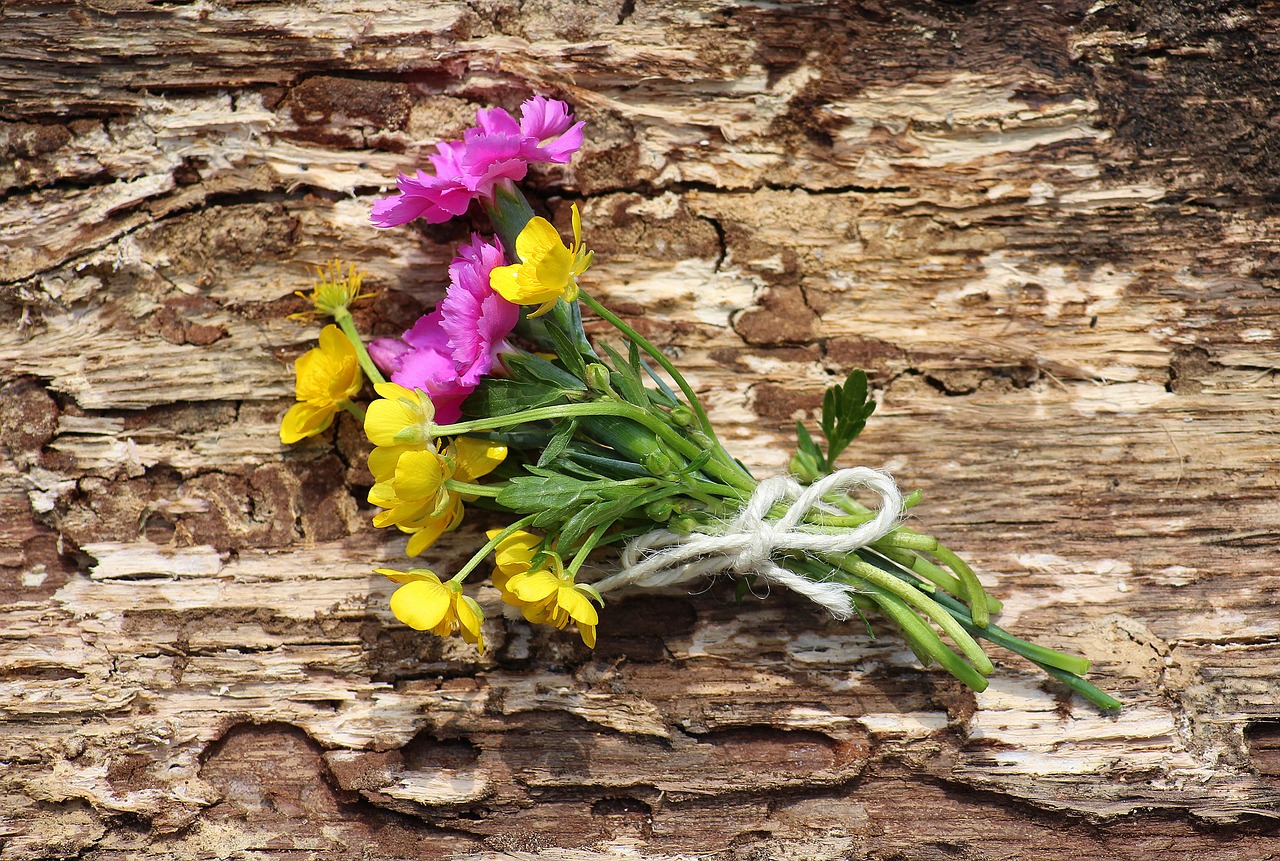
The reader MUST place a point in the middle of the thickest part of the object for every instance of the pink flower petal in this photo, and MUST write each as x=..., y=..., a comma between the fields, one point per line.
x=496, y=121
x=387, y=353
x=497, y=149
x=542, y=118
x=562, y=149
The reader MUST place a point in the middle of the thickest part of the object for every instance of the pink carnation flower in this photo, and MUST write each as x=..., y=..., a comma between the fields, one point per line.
x=447, y=352
x=498, y=149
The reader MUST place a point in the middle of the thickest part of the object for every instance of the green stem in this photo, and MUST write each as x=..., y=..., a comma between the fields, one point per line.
x=904, y=539
x=621, y=409
x=348, y=325
x=469, y=489
x=587, y=546
x=355, y=410
x=704, y=421
x=924, y=604
x=917, y=631
x=970, y=588
x=975, y=596
x=994, y=633
x=1093, y=694
x=493, y=542
x=940, y=577
x=1031, y=651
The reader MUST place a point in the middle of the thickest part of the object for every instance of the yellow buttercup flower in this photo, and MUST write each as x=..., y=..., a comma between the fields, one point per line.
x=425, y=604
x=327, y=378
x=399, y=417
x=415, y=491
x=411, y=486
x=548, y=270
x=546, y=594
x=334, y=292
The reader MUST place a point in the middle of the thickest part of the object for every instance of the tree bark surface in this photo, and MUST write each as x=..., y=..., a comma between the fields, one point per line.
x=1047, y=231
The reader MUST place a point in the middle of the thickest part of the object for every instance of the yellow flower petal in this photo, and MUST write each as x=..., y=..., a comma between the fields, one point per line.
x=383, y=459
x=577, y=605
x=588, y=634
x=420, y=474
x=334, y=342
x=470, y=621
x=426, y=535
x=422, y=604
x=383, y=495
x=397, y=410
x=477, y=457
x=383, y=420
x=541, y=614
x=304, y=420
x=514, y=552
x=406, y=576
x=551, y=271
x=547, y=267
x=537, y=238
x=533, y=587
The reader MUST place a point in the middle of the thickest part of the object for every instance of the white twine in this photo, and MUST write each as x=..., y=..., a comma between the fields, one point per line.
x=749, y=541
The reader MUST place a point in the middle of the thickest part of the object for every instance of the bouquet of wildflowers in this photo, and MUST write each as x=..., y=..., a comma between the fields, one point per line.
x=497, y=399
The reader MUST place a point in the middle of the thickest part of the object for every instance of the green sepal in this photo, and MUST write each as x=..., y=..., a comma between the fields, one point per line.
x=626, y=377
x=567, y=351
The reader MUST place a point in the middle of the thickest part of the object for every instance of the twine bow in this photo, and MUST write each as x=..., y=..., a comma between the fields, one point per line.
x=748, y=542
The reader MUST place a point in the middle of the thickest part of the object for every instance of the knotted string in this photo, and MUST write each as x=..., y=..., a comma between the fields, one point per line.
x=748, y=543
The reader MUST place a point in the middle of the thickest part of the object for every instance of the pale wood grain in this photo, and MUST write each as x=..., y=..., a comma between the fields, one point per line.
x=1047, y=232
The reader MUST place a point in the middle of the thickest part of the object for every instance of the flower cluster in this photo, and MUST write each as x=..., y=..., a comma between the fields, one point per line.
x=415, y=477
x=534, y=580
x=448, y=351
x=425, y=604
x=585, y=445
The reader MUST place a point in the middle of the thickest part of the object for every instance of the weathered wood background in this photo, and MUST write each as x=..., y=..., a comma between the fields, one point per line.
x=1049, y=230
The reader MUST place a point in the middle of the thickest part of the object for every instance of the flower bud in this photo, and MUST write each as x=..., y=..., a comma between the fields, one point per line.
x=683, y=524
x=597, y=379
x=657, y=463
x=683, y=416
x=805, y=468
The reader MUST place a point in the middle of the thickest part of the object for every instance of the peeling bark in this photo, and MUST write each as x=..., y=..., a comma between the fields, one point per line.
x=1047, y=232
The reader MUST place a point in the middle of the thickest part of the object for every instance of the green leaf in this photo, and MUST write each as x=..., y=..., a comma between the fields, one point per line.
x=498, y=396
x=567, y=352
x=607, y=512
x=809, y=463
x=530, y=494
x=599, y=459
x=845, y=410
x=558, y=443
x=528, y=367
x=626, y=379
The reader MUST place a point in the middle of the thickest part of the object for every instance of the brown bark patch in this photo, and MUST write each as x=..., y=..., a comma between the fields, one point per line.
x=1188, y=87
x=773, y=401
x=639, y=628
x=341, y=111
x=174, y=322
x=783, y=317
